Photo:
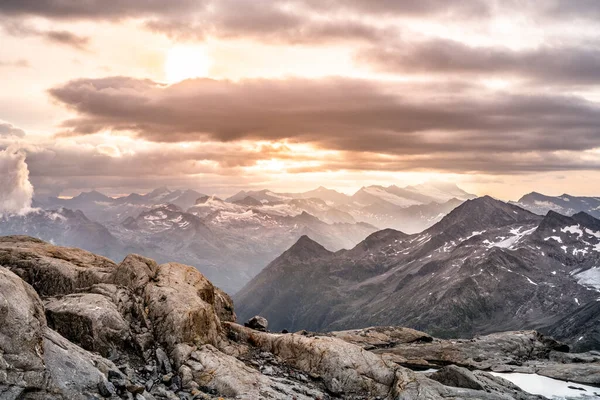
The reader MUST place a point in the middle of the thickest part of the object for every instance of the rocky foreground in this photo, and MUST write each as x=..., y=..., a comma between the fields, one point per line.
x=74, y=325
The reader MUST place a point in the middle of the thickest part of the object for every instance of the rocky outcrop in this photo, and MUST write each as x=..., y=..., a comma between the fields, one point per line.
x=53, y=270
x=382, y=336
x=139, y=330
x=181, y=304
x=35, y=361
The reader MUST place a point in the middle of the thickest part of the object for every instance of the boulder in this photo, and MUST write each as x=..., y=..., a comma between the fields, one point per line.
x=89, y=320
x=22, y=323
x=257, y=323
x=35, y=361
x=459, y=377
x=134, y=272
x=181, y=306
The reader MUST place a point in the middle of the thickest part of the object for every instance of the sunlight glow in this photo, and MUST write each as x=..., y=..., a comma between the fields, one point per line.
x=186, y=62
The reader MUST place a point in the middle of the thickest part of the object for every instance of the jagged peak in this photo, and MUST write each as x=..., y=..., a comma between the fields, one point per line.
x=482, y=212
x=306, y=248
x=380, y=237
x=204, y=199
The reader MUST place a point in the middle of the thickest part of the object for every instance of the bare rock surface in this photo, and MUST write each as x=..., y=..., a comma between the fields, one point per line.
x=77, y=326
x=53, y=270
x=382, y=336
x=88, y=319
x=181, y=303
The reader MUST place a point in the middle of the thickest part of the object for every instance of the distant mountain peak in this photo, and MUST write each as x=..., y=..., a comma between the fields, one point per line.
x=306, y=248
x=92, y=195
x=483, y=212
x=159, y=191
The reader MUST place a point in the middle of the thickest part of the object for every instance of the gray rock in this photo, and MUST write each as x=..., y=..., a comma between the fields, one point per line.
x=181, y=302
x=89, y=320
x=163, y=361
x=457, y=377
x=106, y=389
x=53, y=270
x=258, y=323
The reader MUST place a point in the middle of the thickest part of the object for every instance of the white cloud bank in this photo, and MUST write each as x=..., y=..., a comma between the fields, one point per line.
x=16, y=192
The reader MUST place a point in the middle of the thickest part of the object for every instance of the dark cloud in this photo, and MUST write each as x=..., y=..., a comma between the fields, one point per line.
x=67, y=38
x=551, y=65
x=342, y=114
x=406, y=7
x=55, y=167
x=292, y=21
x=21, y=29
x=96, y=9
x=580, y=9
x=7, y=129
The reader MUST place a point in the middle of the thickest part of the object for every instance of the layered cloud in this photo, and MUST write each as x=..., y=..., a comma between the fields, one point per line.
x=355, y=115
x=550, y=65
x=417, y=91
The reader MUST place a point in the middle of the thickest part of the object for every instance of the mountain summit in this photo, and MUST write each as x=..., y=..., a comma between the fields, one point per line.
x=486, y=266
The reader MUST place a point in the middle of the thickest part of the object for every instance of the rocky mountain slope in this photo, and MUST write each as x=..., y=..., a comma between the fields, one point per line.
x=565, y=204
x=225, y=241
x=104, y=209
x=74, y=325
x=486, y=267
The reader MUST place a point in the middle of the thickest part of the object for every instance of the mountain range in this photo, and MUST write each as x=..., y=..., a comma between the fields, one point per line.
x=487, y=266
x=232, y=239
x=229, y=240
x=565, y=204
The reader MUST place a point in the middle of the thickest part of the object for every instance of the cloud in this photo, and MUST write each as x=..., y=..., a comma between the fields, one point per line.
x=551, y=65
x=7, y=129
x=335, y=113
x=109, y=9
x=17, y=191
x=79, y=165
x=66, y=38
x=17, y=63
x=19, y=28
x=292, y=21
x=95, y=9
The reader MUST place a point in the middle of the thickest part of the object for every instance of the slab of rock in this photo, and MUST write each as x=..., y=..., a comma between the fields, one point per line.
x=53, y=270
x=342, y=366
x=22, y=323
x=484, y=352
x=89, y=320
x=36, y=362
x=230, y=377
x=457, y=377
x=382, y=336
x=77, y=373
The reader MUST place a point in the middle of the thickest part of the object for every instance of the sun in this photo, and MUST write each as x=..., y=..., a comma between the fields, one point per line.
x=185, y=62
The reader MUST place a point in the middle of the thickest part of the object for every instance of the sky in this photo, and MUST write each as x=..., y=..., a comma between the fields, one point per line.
x=501, y=97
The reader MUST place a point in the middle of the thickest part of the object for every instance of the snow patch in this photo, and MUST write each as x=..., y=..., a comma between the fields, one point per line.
x=590, y=278
x=573, y=229
x=557, y=238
